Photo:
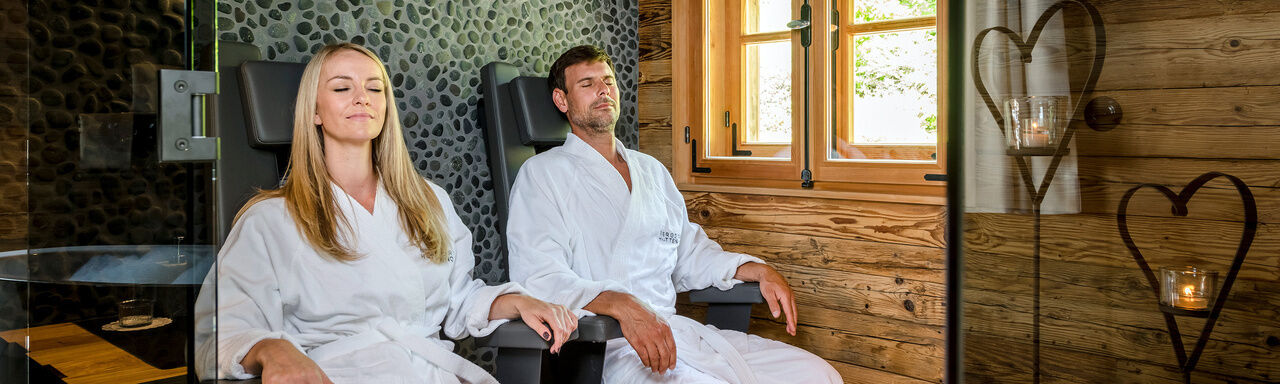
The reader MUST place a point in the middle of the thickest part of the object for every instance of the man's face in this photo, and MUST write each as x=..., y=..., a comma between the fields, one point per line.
x=591, y=102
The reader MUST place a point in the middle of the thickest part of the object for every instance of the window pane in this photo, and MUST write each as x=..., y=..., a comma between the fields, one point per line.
x=767, y=16
x=865, y=11
x=895, y=101
x=767, y=117
x=763, y=112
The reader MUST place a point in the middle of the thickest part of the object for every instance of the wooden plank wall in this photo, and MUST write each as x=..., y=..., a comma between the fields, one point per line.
x=868, y=275
x=1199, y=84
x=13, y=126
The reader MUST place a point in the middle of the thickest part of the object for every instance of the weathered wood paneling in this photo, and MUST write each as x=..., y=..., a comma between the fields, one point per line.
x=654, y=107
x=855, y=220
x=1198, y=85
x=868, y=276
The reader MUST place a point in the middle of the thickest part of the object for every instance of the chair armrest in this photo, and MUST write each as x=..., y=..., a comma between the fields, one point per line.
x=517, y=334
x=742, y=293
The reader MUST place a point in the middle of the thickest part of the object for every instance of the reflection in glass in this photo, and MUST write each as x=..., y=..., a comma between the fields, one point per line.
x=895, y=100
x=83, y=197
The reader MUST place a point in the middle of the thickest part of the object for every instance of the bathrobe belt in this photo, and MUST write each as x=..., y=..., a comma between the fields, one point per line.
x=718, y=343
x=390, y=330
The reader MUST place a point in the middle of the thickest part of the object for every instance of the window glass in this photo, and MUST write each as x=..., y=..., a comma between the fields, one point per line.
x=894, y=99
x=768, y=93
x=866, y=11
x=767, y=16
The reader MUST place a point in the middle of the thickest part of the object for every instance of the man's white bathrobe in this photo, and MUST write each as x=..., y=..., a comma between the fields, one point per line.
x=575, y=230
x=377, y=319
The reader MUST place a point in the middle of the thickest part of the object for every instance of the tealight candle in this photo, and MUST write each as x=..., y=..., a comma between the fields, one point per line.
x=1187, y=288
x=1035, y=121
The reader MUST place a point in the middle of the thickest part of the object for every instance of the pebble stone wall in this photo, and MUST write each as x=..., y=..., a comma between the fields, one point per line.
x=434, y=51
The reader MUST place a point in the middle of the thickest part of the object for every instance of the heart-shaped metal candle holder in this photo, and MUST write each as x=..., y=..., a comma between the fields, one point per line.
x=1038, y=192
x=1179, y=201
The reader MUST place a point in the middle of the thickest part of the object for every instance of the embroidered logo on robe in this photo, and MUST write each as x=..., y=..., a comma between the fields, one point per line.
x=670, y=237
x=451, y=254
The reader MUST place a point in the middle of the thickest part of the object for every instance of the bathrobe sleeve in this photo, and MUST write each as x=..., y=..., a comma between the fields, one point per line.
x=471, y=298
x=248, y=303
x=538, y=242
x=701, y=262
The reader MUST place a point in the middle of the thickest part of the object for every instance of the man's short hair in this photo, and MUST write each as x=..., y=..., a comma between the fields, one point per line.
x=580, y=54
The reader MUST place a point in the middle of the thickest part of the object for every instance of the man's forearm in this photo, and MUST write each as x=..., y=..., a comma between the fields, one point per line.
x=613, y=304
x=750, y=271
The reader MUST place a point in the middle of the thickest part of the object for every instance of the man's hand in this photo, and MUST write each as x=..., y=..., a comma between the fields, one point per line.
x=647, y=333
x=777, y=293
x=279, y=362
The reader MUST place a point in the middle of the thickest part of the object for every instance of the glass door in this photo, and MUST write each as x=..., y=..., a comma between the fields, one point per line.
x=102, y=245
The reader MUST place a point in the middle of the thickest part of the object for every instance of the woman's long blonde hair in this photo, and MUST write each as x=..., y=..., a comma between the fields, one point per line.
x=307, y=191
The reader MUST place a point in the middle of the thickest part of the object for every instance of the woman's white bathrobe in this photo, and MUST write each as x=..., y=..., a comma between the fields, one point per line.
x=377, y=319
x=575, y=230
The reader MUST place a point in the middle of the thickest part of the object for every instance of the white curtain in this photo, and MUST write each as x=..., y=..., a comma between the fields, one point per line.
x=992, y=179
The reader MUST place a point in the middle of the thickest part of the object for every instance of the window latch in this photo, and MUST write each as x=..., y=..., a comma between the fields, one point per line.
x=736, y=151
x=693, y=151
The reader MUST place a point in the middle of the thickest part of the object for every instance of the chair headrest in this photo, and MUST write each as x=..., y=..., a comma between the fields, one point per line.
x=538, y=119
x=269, y=89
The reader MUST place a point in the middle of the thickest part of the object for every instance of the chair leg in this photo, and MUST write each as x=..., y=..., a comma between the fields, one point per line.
x=523, y=366
x=735, y=316
x=580, y=363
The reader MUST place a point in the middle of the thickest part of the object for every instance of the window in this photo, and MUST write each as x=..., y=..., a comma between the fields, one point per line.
x=871, y=122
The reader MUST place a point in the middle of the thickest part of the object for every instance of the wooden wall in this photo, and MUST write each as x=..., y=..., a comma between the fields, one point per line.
x=1198, y=82
x=868, y=275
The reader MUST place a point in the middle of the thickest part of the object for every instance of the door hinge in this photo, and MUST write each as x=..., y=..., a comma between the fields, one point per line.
x=180, y=135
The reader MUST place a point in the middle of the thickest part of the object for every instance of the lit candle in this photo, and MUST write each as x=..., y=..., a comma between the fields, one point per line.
x=1035, y=137
x=1038, y=140
x=1190, y=299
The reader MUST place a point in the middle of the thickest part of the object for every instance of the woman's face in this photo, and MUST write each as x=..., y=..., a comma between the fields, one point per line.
x=350, y=104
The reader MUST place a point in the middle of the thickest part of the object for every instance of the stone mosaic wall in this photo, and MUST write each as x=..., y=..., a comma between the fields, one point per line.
x=434, y=51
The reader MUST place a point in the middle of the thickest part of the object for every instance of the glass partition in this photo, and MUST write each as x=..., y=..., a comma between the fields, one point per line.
x=102, y=246
x=1117, y=192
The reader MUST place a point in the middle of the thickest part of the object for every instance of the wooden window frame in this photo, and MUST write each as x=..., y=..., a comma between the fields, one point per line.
x=889, y=172
x=697, y=98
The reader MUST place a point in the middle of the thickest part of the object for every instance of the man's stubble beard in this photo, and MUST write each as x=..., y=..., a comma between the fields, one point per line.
x=594, y=123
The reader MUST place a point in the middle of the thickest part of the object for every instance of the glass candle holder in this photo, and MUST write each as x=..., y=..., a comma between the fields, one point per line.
x=1035, y=123
x=135, y=313
x=1188, y=288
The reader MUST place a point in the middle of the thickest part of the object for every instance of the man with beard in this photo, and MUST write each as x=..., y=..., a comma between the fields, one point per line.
x=596, y=226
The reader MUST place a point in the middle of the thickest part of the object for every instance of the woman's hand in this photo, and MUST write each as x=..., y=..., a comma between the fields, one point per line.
x=277, y=361
x=553, y=322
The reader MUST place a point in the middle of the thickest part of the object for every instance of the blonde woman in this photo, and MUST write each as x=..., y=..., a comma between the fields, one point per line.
x=352, y=269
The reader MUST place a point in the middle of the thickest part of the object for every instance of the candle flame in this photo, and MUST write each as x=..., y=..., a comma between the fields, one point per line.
x=1189, y=290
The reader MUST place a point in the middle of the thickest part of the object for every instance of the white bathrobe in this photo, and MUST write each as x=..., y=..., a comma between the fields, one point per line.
x=575, y=230
x=377, y=319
